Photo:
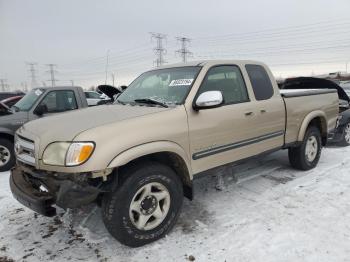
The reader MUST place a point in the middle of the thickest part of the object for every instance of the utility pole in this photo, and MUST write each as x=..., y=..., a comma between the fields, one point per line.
x=3, y=84
x=113, y=77
x=32, y=72
x=159, y=50
x=72, y=82
x=52, y=74
x=107, y=58
x=183, y=51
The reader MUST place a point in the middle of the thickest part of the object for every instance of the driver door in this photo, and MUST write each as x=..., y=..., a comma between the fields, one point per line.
x=218, y=135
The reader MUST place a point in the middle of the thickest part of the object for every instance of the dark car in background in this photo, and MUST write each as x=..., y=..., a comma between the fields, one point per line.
x=11, y=100
x=341, y=134
x=5, y=95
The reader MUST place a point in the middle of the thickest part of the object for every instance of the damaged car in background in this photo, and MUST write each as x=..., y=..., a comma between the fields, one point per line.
x=341, y=135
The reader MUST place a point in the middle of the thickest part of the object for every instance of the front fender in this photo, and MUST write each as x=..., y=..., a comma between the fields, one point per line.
x=308, y=119
x=147, y=149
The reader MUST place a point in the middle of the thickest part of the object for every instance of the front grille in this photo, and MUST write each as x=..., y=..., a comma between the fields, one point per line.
x=25, y=150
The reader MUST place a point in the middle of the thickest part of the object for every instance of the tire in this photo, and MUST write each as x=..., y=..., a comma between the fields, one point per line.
x=345, y=141
x=307, y=155
x=7, y=155
x=125, y=209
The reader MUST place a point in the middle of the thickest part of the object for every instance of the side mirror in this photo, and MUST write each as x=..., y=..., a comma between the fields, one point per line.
x=40, y=110
x=209, y=99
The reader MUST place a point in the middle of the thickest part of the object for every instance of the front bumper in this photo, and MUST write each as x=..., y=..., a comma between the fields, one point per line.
x=29, y=196
x=26, y=186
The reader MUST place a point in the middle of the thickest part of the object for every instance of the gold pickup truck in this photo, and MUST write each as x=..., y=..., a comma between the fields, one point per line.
x=137, y=158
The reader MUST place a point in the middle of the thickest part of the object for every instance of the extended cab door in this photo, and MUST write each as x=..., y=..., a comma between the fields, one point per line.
x=269, y=107
x=56, y=101
x=233, y=131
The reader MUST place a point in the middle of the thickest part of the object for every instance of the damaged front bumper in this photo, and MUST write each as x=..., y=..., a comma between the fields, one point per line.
x=41, y=192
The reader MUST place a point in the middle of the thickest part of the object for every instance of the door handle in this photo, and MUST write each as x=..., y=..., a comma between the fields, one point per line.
x=262, y=111
x=250, y=113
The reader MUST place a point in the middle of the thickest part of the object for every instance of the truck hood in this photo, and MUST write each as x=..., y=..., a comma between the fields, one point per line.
x=66, y=126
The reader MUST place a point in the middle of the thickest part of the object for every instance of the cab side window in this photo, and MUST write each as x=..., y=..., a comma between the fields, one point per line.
x=260, y=81
x=59, y=101
x=227, y=79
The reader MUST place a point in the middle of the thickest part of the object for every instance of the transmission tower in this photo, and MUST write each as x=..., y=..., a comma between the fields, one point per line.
x=52, y=72
x=159, y=50
x=183, y=51
x=3, y=84
x=32, y=72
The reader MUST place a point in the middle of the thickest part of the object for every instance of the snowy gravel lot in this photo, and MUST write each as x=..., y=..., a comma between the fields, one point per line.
x=266, y=212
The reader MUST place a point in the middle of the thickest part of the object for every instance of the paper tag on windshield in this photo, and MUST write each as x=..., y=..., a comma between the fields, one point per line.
x=181, y=82
x=38, y=92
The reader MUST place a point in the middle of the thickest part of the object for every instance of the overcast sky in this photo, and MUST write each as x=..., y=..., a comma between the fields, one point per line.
x=297, y=37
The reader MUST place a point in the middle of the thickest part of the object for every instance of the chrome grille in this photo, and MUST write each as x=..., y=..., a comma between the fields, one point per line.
x=25, y=150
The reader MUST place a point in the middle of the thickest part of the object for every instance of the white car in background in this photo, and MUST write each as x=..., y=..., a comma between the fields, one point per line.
x=93, y=97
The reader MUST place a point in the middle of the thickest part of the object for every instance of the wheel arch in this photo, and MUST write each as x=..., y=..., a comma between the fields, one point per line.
x=7, y=135
x=165, y=152
x=318, y=119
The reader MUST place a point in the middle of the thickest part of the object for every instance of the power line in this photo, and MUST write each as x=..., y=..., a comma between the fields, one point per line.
x=159, y=50
x=52, y=74
x=183, y=51
x=32, y=72
x=3, y=83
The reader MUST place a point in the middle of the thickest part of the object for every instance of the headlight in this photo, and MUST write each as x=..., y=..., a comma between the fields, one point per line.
x=67, y=154
x=78, y=153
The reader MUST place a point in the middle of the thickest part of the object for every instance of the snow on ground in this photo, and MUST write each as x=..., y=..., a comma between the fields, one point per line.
x=265, y=212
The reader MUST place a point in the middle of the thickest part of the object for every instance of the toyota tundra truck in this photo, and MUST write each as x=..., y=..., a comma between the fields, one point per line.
x=137, y=158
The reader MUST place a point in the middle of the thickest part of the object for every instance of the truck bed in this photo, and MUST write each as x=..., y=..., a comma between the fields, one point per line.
x=305, y=92
x=300, y=102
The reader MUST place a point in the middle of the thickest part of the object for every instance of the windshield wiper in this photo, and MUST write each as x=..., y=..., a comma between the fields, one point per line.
x=150, y=101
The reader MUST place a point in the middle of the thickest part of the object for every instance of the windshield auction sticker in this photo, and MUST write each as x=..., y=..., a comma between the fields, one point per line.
x=181, y=82
x=38, y=92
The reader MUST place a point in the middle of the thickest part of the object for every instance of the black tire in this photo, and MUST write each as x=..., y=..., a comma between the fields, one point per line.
x=297, y=155
x=345, y=141
x=115, y=205
x=6, y=150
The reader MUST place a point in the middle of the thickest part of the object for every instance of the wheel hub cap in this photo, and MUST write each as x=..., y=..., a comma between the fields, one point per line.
x=149, y=206
x=311, y=148
x=4, y=155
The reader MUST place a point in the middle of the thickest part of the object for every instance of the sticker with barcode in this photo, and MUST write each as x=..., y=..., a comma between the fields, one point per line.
x=181, y=82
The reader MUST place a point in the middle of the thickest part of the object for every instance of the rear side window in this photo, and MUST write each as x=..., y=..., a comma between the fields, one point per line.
x=260, y=81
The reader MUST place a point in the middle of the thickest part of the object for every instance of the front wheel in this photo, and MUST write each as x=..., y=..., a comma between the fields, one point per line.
x=346, y=136
x=145, y=206
x=7, y=156
x=307, y=154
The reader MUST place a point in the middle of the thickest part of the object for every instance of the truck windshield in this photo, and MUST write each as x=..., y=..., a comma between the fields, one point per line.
x=167, y=86
x=28, y=100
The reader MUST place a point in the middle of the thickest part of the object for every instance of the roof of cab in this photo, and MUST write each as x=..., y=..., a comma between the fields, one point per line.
x=210, y=63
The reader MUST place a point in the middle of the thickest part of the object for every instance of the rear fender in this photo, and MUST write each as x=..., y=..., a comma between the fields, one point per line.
x=307, y=120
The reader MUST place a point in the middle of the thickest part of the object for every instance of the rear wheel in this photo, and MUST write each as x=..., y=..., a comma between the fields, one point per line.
x=346, y=136
x=307, y=154
x=145, y=206
x=7, y=156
